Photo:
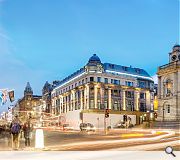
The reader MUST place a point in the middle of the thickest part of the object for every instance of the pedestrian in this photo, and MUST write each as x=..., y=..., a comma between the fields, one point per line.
x=15, y=129
x=27, y=129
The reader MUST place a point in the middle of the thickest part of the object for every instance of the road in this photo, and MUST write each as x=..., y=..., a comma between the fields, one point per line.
x=123, y=140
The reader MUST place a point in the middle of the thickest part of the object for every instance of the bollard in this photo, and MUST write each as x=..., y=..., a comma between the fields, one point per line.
x=39, y=139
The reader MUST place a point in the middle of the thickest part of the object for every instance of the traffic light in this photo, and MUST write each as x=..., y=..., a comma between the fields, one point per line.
x=125, y=118
x=107, y=113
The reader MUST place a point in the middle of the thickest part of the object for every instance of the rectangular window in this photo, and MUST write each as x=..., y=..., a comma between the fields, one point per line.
x=116, y=81
x=112, y=81
x=106, y=92
x=98, y=79
x=106, y=80
x=129, y=94
x=91, y=79
x=91, y=90
x=142, y=95
x=99, y=104
x=105, y=105
x=129, y=105
x=91, y=104
x=83, y=81
x=128, y=83
x=115, y=105
x=115, y=92
x=141, y=84
x=142, y=107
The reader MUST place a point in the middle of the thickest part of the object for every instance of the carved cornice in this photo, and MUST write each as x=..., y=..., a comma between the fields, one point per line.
x=169, y=68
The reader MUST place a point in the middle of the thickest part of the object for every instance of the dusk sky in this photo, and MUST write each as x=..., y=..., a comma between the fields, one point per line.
x=46, y=40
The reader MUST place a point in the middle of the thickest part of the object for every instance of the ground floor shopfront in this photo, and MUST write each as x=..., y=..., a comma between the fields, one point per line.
x=97, y=118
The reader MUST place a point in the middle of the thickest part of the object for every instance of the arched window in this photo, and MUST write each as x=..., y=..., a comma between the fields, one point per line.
x=168, y=87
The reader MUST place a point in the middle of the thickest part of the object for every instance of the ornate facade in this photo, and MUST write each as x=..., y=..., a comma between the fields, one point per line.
x=84, y=95
x=169, y=87
x=27, y=105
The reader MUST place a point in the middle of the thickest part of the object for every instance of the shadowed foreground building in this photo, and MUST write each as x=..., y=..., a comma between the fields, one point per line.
x=46, y=94
x=84, y=95
x=169, y=87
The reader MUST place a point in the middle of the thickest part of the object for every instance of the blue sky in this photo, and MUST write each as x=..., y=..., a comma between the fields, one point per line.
x=49, y=39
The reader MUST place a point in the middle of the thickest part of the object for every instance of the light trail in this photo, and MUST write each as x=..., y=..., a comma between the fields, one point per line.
x=148, y=146
x=123, y=141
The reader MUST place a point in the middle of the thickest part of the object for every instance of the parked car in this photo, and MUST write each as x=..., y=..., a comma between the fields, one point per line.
x=87, y=127
x=67, y=127
x=123, y=125
x=120, y=125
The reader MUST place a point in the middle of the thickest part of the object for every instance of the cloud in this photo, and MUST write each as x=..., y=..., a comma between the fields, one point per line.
x=14, y=73
x=155, y=79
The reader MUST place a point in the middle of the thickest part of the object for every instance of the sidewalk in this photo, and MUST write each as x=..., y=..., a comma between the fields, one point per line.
x=5, y=145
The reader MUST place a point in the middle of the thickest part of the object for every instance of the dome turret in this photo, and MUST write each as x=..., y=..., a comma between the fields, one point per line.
x=176, y=47
x=94, y=59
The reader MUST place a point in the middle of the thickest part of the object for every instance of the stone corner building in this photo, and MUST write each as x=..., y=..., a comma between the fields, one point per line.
x=169, y=87
x=84, y=95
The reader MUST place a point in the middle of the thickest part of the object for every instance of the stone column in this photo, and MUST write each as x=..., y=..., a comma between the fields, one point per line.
x=136, y=100
x=65, y=103
x=109, y=98
x=73, y=99
x=55, y=106
x=81, y=99
x=68, y=103
x=95, y=96
x=87, y=95
x=175, y=84
x=175, y=92
x=159, y=87
x=124, y=100
x=148, y=100
x=60, y=104
x=102, y=96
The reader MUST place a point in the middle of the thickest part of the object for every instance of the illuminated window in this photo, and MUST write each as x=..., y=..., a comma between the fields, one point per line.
x=91, y=104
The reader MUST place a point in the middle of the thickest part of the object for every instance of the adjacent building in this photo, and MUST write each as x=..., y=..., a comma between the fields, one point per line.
x=28, y=104
x=46, y=95
x=169, y=87
x=84, y=95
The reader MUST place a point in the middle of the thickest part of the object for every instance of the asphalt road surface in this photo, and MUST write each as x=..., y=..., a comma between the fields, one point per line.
x=115, y=140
